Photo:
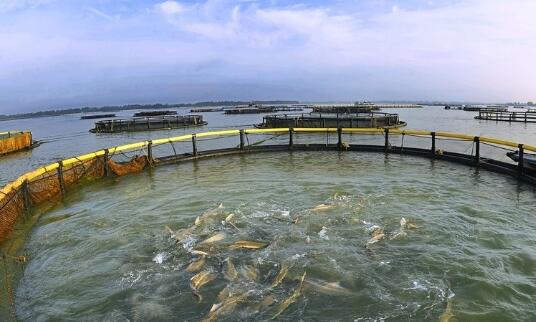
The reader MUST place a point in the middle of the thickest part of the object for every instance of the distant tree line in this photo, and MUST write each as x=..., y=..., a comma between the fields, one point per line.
x=130, y=107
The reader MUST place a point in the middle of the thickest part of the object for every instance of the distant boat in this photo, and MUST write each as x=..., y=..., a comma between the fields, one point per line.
x=96, y=116
x=529, y=160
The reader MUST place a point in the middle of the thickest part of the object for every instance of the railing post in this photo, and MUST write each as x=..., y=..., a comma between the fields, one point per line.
x=290, y=138
x=60, y=178
x=433, y=150
x=339, y=138
x=150, y=152
x=194, y=145
x=26, y=194
x=386, y=139
x=106, y=167
x=477, y=149
x=241, y=139
x=520, y=163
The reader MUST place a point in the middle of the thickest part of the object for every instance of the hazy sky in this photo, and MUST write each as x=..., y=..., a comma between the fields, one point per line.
x=62, y=53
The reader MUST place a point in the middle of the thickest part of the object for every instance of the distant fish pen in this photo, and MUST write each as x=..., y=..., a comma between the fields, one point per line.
x=398, y=105
x=344, y=108
x=14, y=141
x=485, y=109
x=261, y=109
x=329, y=120
x=50, y=184
x=148, y=123
x=206, y=109
x=154, y=113
x=97, y=116
x=500, y=116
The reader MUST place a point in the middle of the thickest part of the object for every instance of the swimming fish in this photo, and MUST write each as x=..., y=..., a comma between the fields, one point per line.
x=230, y=272
x=447, y=315
x=262, y=305
x=230, y=220
x=197, y=281
x=280, y=276
x=199, y=252
x=183, y=233
x=225, y=307
x=333, y=288
x=405, y=224
x=248, y=244
x=196, y=265
x=377, y=235
x=169, y=230
x=250, y=272
x=214, y=238
x=295, y=295
x=200, y=279
x=223, y=294
x=208, y=216
x=322, y=207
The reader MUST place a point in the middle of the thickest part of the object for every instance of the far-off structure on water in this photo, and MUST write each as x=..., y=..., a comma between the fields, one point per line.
x=358, y=115
x=14, y=141
x=333, y=120
x=148, y=123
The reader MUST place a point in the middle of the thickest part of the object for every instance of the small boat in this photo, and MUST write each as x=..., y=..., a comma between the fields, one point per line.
x=529, y=160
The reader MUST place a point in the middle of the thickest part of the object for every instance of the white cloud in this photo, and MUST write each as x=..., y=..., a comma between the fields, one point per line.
x=169, y=8
x=10, y=5
x=472, y=50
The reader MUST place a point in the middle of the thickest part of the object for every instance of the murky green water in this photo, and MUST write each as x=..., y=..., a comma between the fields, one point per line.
x=104, y=253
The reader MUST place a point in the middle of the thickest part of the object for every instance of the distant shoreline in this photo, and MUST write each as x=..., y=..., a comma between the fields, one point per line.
x=129, y=107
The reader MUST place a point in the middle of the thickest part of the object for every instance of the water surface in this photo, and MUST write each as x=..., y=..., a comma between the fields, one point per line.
x=104, y=254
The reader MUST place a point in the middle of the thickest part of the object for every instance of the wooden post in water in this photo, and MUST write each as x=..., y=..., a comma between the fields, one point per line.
x=290, y=138
x=241, y=139
x=520, y=163
x=26, y=194
x=60, y=178
x=433, y=150
x=194, y=145
x=476, y=139
x=150, y=152
x=106, y=167
x=386, y=139
x=339, y=138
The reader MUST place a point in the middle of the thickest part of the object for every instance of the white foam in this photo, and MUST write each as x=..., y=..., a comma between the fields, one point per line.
x=323, y=233
x=160, y=257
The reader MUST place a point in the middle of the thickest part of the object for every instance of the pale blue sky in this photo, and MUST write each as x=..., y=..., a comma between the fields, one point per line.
x=64, y=53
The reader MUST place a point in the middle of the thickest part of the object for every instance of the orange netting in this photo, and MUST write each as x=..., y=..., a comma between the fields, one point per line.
x=48, y=186
x=10, y=207
x=15, y=142
x=135, y=165
x=90, y=169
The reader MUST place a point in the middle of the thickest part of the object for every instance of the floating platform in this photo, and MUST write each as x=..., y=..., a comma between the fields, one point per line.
x=148, y=123
x=344, y=109
x=262, y=109
x=206, y=109
x=97, y=116
x=14, y=141
x=319, y=120
x=154, y=113
x=500, y=116
x=398, y=105
x=485, y=108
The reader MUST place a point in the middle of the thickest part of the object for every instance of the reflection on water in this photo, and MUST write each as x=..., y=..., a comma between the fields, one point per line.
x=158, y=245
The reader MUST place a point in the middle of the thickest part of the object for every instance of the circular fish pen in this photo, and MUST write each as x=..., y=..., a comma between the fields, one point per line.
x=328, y=231
x=333, y=120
